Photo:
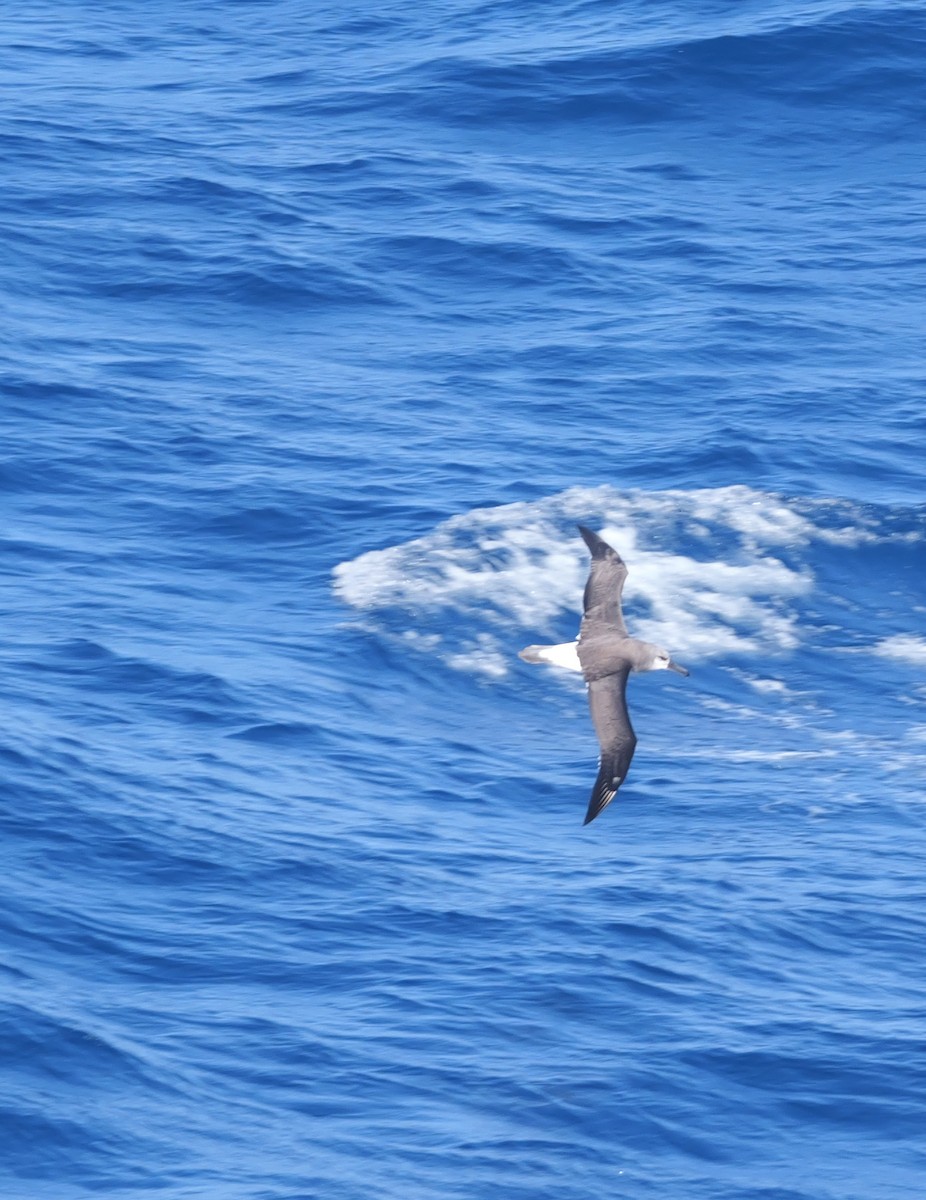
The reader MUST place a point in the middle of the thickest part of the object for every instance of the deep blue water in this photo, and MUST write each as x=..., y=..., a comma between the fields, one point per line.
x=323, y=326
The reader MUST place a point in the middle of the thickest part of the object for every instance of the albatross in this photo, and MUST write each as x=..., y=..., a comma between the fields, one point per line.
x=605, y=654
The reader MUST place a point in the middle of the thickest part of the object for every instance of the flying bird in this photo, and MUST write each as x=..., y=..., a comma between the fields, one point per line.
x=605, y=654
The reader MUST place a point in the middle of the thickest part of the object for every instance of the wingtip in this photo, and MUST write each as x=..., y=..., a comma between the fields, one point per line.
x=602, y=795
x=596, y=808
x=597, y=545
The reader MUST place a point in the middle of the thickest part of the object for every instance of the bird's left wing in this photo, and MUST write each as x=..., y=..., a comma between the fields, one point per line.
x=602, y=600
x=607, y=700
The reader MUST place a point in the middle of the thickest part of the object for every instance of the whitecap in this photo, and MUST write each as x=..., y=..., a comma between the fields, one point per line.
x=708, y=571
x=902, y=647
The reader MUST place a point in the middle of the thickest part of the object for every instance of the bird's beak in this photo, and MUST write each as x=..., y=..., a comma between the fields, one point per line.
x=673, y=666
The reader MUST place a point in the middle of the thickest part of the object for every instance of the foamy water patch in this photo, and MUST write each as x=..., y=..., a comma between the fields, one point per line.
x=483, y=656
x=903, y=647
x=775, y=756
x=712, y=572
x=507, y=561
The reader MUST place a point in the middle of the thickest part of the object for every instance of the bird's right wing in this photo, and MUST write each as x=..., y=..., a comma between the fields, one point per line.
x=602, y=600
x=607, y=700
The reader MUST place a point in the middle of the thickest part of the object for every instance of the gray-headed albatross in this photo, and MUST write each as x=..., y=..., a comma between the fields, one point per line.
x=605, y=655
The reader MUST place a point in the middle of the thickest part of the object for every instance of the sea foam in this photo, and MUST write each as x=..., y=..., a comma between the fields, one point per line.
x=706, y=573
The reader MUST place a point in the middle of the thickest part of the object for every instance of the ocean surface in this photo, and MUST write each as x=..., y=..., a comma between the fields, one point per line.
x=323, y=326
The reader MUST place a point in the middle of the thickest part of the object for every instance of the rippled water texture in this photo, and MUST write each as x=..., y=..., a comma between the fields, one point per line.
x=323, y=329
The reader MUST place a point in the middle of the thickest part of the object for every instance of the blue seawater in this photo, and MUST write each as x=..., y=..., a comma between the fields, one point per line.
x=323, y=326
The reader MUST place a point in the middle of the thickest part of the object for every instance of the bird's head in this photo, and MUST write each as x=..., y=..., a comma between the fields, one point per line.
x=660, y=661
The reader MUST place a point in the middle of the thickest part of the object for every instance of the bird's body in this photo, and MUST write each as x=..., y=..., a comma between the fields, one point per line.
x=606, y=655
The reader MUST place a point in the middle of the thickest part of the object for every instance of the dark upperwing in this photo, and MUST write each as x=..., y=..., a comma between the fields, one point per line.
x=602, y=600
x=607, y=700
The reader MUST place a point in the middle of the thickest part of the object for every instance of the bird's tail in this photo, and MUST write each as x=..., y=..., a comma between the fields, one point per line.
x=564, y=655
